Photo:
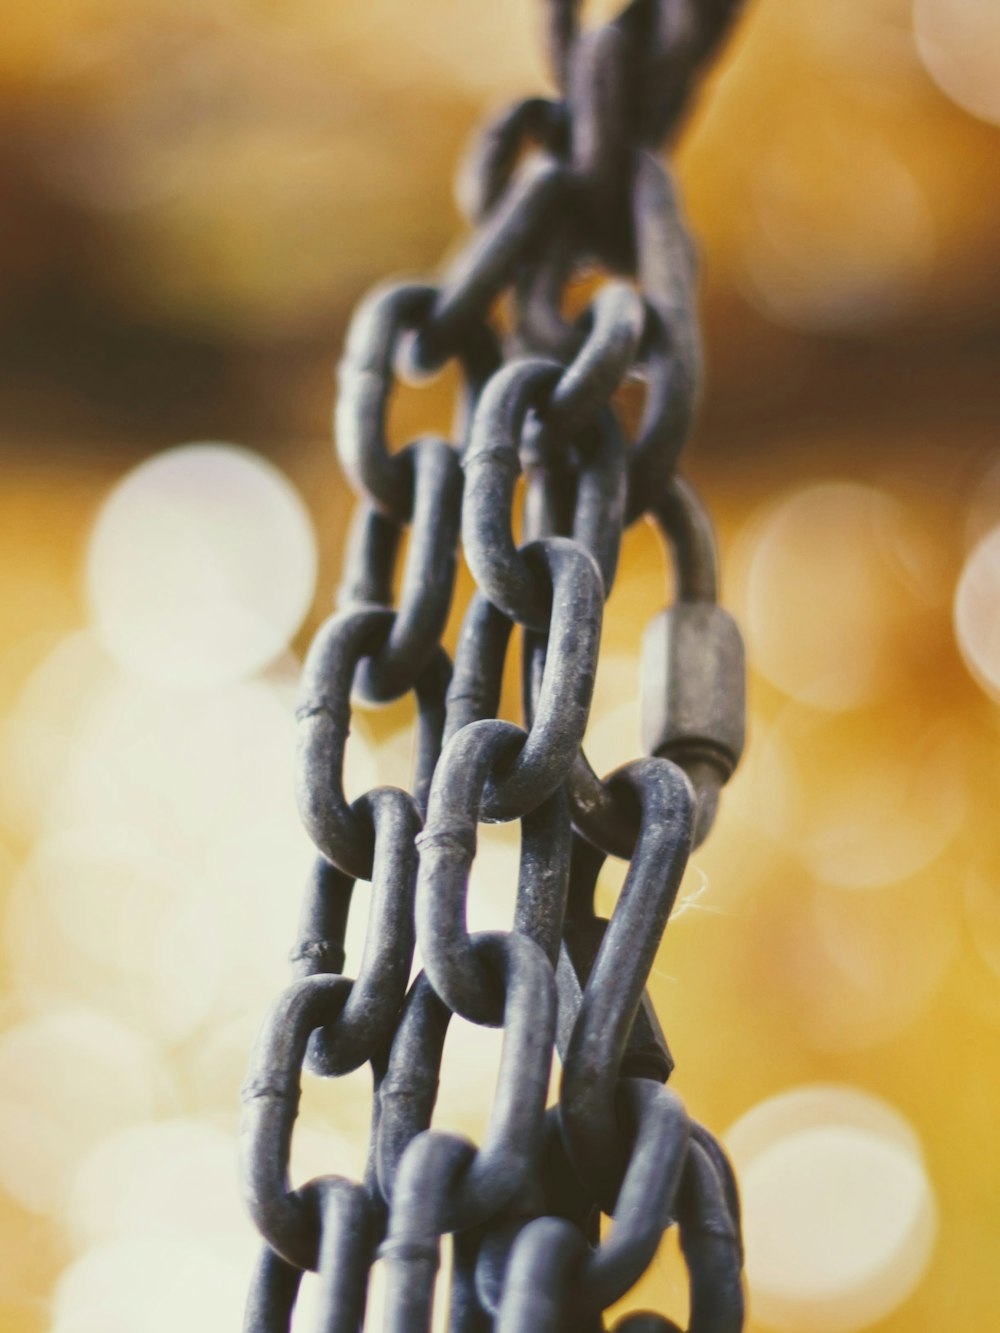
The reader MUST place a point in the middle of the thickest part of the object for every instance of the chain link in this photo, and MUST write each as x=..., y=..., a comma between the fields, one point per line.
x=538, y=486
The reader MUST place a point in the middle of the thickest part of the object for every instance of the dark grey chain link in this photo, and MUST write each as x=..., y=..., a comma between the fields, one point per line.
x=557, y=188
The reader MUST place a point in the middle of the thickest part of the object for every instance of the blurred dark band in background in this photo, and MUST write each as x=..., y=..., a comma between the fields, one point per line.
x=193, y=196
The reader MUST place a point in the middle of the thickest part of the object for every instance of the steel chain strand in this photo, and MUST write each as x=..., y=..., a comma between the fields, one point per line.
x=594, y=193
x=635, y=507
x=338, y=657
x=613, y=991
x=695, y=559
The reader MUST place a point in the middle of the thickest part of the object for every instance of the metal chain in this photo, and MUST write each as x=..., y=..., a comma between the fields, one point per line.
x=557, y=188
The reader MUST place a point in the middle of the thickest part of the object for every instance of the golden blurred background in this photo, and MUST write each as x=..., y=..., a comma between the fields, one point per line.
x=194, y=196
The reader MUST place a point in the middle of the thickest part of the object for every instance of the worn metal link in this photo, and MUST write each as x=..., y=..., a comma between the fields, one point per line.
x=366, y=377
x=510, y=1147
x=447, y=847
x=343, y=832
x=271, y=1094
x=368, y=1017
x=644, y=1202
x=537, y=488
x=492, y=465
x=428, y=575
x=346, y=1227
x=693, y=686
x=611, y=997
x=555, y=1279
x=613, y=327
x=518, y=780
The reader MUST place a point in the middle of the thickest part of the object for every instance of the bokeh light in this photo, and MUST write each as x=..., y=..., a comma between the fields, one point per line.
x=154, y=1284
x=613, y=728
x=39, y=734
x=839, y=1214
x=982, y=906
x=839, y=234
x=68, y=1079
x=201, y=566
x=144, y=1179
x=187, y=766
x=866, y=968
x=977, y=625
x=889, y=808
x=825, y=592
x=959, y=43
x=100, y=916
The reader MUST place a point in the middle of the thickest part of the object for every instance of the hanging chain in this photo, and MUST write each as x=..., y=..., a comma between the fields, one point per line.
x=558, y=189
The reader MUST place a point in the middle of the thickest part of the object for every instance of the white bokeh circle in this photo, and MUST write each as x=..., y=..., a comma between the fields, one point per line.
x=68, y=1079
x=959, y=44
x=977, y=613
x=826, y=599
x=201, y=565
x=839, y=1215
